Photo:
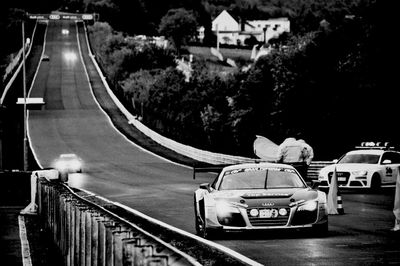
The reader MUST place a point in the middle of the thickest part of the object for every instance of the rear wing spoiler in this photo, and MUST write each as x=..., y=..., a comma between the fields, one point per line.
x=218, y=167
x=209, y=169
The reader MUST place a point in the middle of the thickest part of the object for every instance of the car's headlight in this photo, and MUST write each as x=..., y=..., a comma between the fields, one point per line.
x=228, y=214
x=310, y=205
x=60, y=165
x=225, y=208
x=359, y=173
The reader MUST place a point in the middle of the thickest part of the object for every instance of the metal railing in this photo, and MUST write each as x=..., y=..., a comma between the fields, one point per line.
x=315, y=167
x=88, y=234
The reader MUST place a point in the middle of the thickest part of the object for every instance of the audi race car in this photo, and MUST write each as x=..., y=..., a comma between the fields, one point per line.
x=368, y=166
x=259, y=196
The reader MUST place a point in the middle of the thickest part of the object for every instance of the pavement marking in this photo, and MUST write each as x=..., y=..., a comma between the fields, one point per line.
x=115, y=99
x=29, y=93
x=25, y=251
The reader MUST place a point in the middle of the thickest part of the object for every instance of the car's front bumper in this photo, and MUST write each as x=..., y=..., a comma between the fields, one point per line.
x=293, y=221
x=351, y=182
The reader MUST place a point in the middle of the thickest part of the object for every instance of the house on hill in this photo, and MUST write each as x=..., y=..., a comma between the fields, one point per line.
x=235, y=31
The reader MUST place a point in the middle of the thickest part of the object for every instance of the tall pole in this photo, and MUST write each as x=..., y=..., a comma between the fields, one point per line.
x=24, y=88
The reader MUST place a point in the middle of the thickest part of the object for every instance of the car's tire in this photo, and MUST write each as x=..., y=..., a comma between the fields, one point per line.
x=202, y=230
x=376, y=183
x=201, y=227
x=197, y=223
x=320, y=230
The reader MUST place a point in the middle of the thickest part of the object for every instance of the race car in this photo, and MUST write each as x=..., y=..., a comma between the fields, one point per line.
x=368, y=166
x=68, y=163
x=259, y=196
x=45, y=58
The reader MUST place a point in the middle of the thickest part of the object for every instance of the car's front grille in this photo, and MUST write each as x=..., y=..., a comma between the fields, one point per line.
x=343, y=177
x=277, y=221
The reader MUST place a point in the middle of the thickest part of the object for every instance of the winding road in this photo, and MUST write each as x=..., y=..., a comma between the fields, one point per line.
x=115, y=168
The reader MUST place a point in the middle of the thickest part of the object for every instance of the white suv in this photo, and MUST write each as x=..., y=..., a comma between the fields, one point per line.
x=363, y=168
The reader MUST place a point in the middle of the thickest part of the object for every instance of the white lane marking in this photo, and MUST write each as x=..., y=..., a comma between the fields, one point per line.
x=150, y=219
x=29, y=93
x=25, y=251
x=114, y=99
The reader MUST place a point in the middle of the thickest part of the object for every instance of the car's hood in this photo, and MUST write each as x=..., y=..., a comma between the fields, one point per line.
x=266, y=197
x=347, y=167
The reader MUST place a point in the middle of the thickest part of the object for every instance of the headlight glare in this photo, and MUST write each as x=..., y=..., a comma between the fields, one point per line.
x=359, y=173
x=308, y=206
x=225, y=208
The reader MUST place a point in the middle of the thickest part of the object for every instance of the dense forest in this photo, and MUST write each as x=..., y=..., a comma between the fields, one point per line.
x=331, y=79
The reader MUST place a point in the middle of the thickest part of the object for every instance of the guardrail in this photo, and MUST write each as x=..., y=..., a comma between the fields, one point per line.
x=87, y=234
x=315, y=167
x=191, y=152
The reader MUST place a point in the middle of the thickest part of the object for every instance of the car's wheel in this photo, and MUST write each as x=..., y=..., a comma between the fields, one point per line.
x=375, y=183
x=197, y=223
x=201, y=229
x=200, y=225
x=320, y=230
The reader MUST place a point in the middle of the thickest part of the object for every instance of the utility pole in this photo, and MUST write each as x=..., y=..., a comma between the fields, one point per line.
x=24, y=88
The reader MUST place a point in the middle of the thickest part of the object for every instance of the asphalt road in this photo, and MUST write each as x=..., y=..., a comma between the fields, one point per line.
x=72, y=122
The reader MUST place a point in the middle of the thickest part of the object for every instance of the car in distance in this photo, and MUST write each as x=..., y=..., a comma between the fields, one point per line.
x=45, y=58
x=368, y=166
x=68, y=163
x=259, y=196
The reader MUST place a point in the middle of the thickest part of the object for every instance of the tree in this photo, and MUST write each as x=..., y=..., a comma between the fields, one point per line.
x=179, y=25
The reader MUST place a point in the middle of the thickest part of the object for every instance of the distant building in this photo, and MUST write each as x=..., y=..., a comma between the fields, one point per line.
x=235, y=31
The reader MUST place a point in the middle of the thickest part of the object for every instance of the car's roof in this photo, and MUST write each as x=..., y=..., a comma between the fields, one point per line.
x=261, y=164
x=67, y=155
x=367, y=151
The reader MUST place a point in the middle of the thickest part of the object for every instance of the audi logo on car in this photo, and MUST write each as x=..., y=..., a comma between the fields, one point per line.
x=54, y=16
x=268, y=204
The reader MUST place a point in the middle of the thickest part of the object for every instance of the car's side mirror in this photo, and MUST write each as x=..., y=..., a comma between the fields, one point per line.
x=335, y=161
x=205, y=186
x=315, y=184
x=387, y=161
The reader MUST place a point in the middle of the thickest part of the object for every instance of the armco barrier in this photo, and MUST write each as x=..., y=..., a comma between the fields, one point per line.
x=191, y=152
x=87, y=234
x=315, y=167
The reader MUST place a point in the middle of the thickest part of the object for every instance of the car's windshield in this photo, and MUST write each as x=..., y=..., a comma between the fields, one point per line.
x=360, y=158
x=260, y=178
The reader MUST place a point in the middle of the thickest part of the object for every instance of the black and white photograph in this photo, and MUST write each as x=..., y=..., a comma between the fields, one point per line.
x=199, y=132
